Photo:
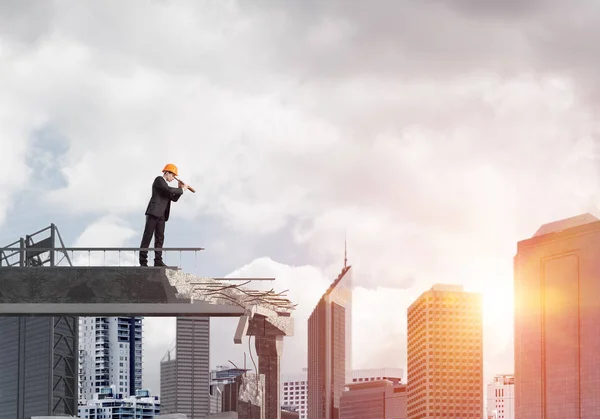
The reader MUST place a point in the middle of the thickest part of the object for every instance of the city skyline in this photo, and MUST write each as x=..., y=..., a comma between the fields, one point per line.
x=335, y=321
x=436, y=151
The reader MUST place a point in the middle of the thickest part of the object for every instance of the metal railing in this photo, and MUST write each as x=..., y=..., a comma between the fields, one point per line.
x=92, y=256
x=34, y=255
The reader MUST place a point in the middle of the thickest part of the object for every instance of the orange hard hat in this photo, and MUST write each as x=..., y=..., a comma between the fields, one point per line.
x=170, y=168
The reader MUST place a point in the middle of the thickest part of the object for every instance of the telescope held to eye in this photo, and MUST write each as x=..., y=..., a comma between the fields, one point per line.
x=189, y=187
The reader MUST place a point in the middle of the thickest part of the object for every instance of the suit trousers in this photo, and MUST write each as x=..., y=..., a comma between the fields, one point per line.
x=154, y=226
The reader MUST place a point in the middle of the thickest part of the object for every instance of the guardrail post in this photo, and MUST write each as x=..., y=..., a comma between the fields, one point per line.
x=21, y=252
x=52, y=238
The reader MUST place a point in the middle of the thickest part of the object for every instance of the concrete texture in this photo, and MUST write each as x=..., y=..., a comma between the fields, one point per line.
x=268, y=304
x=99, y=291
x=269, y=347
x=85, y=285
x=251, y=396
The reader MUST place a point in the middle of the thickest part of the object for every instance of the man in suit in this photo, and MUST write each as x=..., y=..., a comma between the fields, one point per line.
x=157, y=212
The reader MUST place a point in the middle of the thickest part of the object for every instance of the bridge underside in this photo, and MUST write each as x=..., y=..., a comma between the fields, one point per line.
x=143, y=291
x=99, y=291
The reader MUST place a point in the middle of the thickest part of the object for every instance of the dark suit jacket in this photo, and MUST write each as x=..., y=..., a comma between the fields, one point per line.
x=162, y=195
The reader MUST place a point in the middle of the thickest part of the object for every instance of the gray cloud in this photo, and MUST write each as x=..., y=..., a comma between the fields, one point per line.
x=323, y=114
x=435, y=39
x=390, y=39
x=437, y=134
x=312, y=41
x=25, y=22
x=509, y=10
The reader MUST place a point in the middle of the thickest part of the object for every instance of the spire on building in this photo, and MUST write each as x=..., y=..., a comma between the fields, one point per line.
x=345, y=251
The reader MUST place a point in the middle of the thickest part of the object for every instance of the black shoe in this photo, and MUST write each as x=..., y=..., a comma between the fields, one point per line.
x=143, y=263
x=159, y=263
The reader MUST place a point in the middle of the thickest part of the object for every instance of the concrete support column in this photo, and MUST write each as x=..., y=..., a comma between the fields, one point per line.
x=269, y=347
x=269, y=350
x=250, y=396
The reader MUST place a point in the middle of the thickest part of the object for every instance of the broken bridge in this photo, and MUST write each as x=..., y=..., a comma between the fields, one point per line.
x=31, y=287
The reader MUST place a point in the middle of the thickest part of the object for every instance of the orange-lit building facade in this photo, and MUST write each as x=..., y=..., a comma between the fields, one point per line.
x=557, y=321
x=330, y=348
x=445, y=354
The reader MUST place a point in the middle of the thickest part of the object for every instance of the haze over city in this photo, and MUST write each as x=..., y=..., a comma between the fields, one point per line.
x=431, y=135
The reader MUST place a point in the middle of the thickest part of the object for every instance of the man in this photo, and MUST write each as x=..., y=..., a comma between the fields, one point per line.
x=157, y=212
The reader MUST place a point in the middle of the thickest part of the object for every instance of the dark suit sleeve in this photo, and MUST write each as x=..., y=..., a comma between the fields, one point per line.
x=161, y=184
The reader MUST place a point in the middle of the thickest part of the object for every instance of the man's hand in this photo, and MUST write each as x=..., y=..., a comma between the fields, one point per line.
x=183, y=185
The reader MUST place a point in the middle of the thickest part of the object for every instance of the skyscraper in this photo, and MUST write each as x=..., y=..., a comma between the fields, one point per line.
x=557, y=283
x=110, y=354
x=330, y=348
x=445, y=354
x=185, y=380
x=38, y=366
x=38, y=355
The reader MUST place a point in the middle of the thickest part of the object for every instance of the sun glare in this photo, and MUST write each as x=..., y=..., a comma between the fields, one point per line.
x=498, y=306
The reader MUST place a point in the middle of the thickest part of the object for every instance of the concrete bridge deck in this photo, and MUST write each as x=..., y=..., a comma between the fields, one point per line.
x=99, y=291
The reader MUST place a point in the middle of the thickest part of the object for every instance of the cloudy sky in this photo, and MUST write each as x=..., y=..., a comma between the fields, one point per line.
x=435, y=134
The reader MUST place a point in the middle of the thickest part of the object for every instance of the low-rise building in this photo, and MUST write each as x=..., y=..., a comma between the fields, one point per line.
x=223, y=390
x=501, y=397
x=294, y=387
x=107, y=404
x=381, y=399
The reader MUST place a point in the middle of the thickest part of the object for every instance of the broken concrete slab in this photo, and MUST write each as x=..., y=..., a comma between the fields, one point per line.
x=99, y=291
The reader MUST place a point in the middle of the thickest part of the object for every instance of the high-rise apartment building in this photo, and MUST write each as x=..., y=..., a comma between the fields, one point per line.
x=110, y=354
x=557, y=283
x=330, y=348
x=501, y=397
x=185, y=379
x=445, y=354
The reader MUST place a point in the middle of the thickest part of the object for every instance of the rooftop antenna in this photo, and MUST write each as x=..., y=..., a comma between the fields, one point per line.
x=345, y=251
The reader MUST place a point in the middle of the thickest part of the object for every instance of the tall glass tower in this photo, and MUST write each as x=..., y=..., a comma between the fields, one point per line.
x=330, y=348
